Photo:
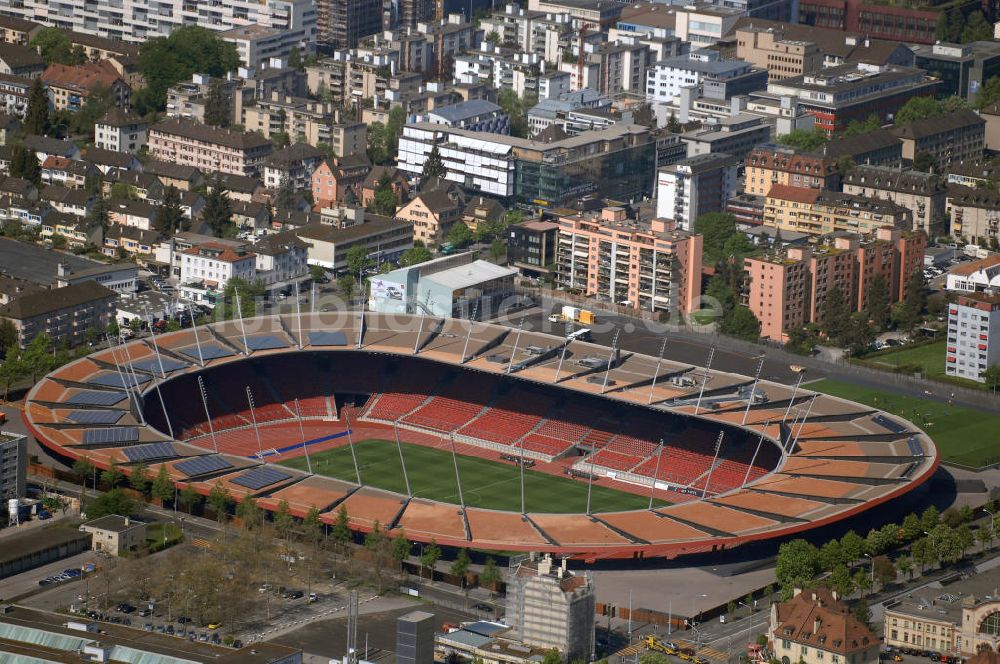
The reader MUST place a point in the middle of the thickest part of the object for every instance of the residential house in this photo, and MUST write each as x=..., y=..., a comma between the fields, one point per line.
x=129, y=240
x=923, y=194
x=14, y=30
x=956, y=136
x=120, y=130
x=369, y=186
x=45, y=147
x=206, y=269
x=208, y=148
x=381, y=236
x=14, y=95
x=71, y=85
x=282, y=260
x=820, y=212
x=480, y=210
x=242, y=187
x=433, y=212
x=182, y=177
x=116, y=535
x=71, y=173
x=76, y=231
x=109, y=160
x=20, y=60
x=332, y=178
x=64, y=314
x=296, y=164
x=76, y=202
x=817, y=627
x=138, y=214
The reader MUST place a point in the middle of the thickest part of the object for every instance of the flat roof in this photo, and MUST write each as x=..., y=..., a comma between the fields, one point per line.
x=35, y=264
x=22, y=544
x=465, y=276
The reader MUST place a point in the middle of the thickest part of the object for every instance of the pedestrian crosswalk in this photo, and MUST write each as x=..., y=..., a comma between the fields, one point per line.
x=201, y=543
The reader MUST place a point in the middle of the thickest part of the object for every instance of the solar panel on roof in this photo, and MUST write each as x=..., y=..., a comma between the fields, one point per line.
x=117, y=380
x=327, y=339
x=96, y=416
x=891, y=425
x=202, y=465
x=258, y=478
x=110, y=436
x=265, y=342
x=208, y=351
x=95, y=398
x=150, y=452
x=151, y=365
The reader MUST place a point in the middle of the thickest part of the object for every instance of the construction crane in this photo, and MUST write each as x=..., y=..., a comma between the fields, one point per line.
x=579, y=58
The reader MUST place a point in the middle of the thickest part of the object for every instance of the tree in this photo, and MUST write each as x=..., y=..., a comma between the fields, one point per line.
x=430, y=556
x=55, y=46
x=188, y=497
x=863, y=613
x=852, y=545
x=715, y=228
x=24, y=164
x=112, y=476
x=219, y=500
x=831, y=555
x=857, y=127
x=378, y=151
x=905, y=565
x=400, y=549
x=385, y=201
x=741, y=323
x=835, y=314
x=673, y=124
x=218, y=212
x=295, y=60
x=976, y=28
x=247, y=293
x=460, y=566
x=377, y=543
x=798, y=562
x=357, y=260
x=99, y=213
x=393, y=130
x=878, y=308
x=433, y=167
x=906, y=314
x=83, y=468
x=251, y=516
x=139, y=477
x=170, y=217
x=165, y=61
x=12, y=369
x=917, y=108
x=341, y=531
x=552, y=657
x=163, y=486
x=284, y=522
x=415, y=255
x=498, y=248
x=8, y=336
x=491, y=575
x=36, y=118
x=989, y=92
x=804, y=139
x=346, y=284
x=965, y=538
x=115, y=501
x=930, y=519
x=885, y=571
x=459, y=235
x=924, y=162
x=285, y=196
x=841, y=580
x=863, y=581
x=985, y=536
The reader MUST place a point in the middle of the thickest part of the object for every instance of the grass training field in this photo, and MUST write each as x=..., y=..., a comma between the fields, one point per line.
x=928, y=357
x=487, y=484
x=962, y=435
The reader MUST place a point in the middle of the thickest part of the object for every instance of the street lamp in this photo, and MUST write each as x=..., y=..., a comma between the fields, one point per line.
x=993, y=518
x=873, y=567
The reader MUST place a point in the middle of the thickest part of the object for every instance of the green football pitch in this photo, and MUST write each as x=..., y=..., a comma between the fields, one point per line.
x=487, y=484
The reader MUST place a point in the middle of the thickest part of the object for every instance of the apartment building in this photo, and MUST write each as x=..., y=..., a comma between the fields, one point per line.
x=787, y=287
x=973, y=323
x=474, y=115
x=615, y=162
x=120, y=130
x=974, y=213
x=695, y=186
x=69, y=86
x=381, y=237
x=914, y=23
x=64, y=314
x=332, y=179
x=13, y=466
x=836, y=96
x=14, y=95
x=651, y=265
x=666, y=78
x=962, y=68
x=296, y=164
x=736, y=135
x=821, y=212
x=704, y=24
x=923, y=194
x=550, y=607
x=342, y=23
x=781, y=57
x=207, y=148
x=306, y=121
x=257, y=45
x=590, y=14
x=140, y=20
x=282, y=260
x=433, y=212
x=207, y=268
x=545, y=34
x=15, y=30
x=17, y=60
x=952, y=137
x=531, y=247
x=772, y=164
x=816, y=627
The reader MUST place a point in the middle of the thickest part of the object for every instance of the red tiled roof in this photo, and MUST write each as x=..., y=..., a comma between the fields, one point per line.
x=225, y=253
x=56, y=162
x=789, y=193
x=83, y=77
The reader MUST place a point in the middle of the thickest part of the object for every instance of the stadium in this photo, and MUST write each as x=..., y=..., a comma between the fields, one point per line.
x=479, y=435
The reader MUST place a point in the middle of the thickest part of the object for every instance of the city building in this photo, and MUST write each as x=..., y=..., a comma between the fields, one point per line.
x=70, y=86
x=531, y=247
x=664, y=79
x=334, y=177
x=432, y=212
x=382, y=238
x=923, y=194
x=821, y=212
x=704, y=24
x=959, y=618
x=974, y=213
x=973, y=322
x=787, y=286
x=307, y=121
x=772, y=164
x=816, y=627
x=955, y=136
x=128, y=240
x=257, y=44
x=119, y=130
x=13, y=466
x=14, y=95
x=474, y=115
x=836, y=96
x=457, y=286
x=116, y=535
x=140, y=20
x=590, y=14
x=695, y=186
x=550, y=607
x=975, y=277
x=282, y=260
x=15, y=30
x=294, y=164
x=207, y=268
x=616, y=162
x=415, y=638
x=647, y=264
x=18, y=60
x=343, y=23
x=64, y=314
x=874, y=148
x=963, y=69
x=790, y=49
x=209, y=149
x=735, y=135
x=32, y=548
x=914, y=23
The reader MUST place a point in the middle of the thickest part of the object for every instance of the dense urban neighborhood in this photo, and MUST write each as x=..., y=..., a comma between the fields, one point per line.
x=499, y=333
